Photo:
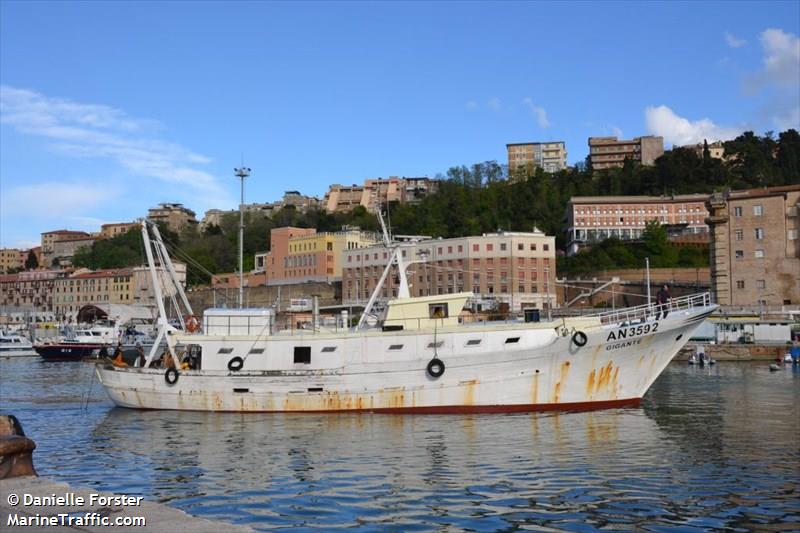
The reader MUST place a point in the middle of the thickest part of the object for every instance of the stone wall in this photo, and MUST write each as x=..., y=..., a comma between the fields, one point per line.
x=263, y=296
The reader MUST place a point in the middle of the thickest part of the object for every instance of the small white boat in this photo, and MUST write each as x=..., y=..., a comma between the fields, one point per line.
x=15, y=346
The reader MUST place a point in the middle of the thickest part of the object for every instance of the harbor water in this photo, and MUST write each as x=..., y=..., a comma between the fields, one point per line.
x=709, y=449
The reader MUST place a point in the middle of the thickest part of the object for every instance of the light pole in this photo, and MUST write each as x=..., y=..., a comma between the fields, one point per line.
x=241, y=173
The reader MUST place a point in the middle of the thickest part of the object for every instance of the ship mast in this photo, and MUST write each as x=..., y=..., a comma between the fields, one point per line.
x=241, y=173
x=396, y=255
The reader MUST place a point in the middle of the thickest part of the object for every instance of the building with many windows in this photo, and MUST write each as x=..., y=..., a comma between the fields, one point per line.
x=514, y=268
x=11, y=259
x=377, y=192
x=175, y=216
x=298, y=255
x=549, y=156
x=595, y=218
x=755, y=246
x=32, y=290
x=610, y=152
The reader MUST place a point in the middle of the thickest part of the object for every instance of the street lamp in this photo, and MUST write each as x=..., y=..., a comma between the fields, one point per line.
x=241, y=173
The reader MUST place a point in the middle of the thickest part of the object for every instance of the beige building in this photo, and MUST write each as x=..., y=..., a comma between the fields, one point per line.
x=11, y=259
x=49, y=238
x=64, y=251
x=109, y=286
x=515, y=268
x=549, y=156
x=755, y=246
x=610, y=152
x=108, y=231
x=595, y=218
x=32, y=290
x=377, y=192
x=299, y=255
x=716, y=149
x=175, y=216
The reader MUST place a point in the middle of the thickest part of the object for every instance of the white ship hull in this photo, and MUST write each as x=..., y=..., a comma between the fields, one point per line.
x=543, y=370
x=18, y=352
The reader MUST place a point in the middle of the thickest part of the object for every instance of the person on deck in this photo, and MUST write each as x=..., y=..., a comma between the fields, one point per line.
x=662, y=299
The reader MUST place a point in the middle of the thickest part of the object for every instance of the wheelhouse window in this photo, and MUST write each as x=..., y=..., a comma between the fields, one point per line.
x=396, y=347
x=512, y=340
x=329, y=349
x=225, y=350
x=256, y=351
x=438, y=310
x=302, y=355
x=473, y=342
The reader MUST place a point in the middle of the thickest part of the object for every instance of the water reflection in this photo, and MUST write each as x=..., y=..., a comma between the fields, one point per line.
x=711, y=449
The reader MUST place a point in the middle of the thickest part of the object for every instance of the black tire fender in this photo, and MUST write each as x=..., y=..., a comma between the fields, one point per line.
x=579, y=338
x=171, y=376
x=435, y=367
x=235, y=364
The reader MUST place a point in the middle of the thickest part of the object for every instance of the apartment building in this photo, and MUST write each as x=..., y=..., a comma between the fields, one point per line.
x=595, y=218
x=108, y=231
x=64, y=251
x=175, y=216
x=377, y=192
x=610, y=152
x=32, y=289
x=755, y=246
x=11, y=259
x=50, y=237
x=515, y=268
x=549, y=156
x=301, y=254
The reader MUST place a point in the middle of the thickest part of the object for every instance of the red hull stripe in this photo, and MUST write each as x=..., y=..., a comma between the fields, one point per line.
x=461, y=409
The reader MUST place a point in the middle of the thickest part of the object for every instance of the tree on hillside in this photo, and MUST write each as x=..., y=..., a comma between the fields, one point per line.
x=32, y=262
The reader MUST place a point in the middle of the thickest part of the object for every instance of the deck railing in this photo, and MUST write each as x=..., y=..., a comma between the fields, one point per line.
x=643, y=312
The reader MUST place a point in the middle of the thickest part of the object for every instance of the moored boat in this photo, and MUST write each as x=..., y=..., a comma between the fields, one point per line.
x=15, y=346
x=69, y=351
x=417, y=358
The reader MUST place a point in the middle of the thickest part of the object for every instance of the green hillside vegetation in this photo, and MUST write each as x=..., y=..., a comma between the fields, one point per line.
x=484, y=198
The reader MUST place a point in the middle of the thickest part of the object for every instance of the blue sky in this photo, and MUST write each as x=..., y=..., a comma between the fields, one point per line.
x=109, y=108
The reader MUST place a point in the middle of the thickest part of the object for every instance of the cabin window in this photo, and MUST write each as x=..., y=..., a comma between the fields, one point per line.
x=435, y=344
x=329, y=349
x=438, y=310
x=256, y=351
x=302, y=355
x=396, y=347
x=225, y=350
x=512, y=340
x=473, y=342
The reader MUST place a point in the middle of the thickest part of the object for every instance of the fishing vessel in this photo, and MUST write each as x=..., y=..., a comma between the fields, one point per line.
x=414, y=357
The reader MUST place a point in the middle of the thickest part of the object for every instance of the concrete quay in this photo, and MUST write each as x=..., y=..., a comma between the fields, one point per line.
x=736, y=352
x=86, y=510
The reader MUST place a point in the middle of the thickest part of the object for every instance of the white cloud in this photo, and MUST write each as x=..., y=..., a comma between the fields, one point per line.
x=778, y=81
x=57, y=200
x=494, y=104
x=679, y=131
x=733, y=41
x=472, y=105
x=538, y=112
x=781, y=57
x=90, y=130
x=616, y=131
